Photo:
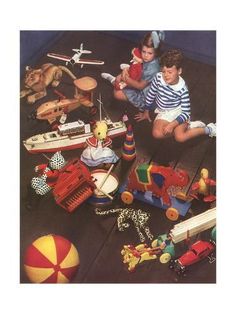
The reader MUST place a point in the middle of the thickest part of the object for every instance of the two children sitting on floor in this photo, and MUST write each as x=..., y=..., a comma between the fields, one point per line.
x=166, y=94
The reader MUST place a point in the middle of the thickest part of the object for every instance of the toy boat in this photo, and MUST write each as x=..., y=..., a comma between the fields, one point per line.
x=69, y=136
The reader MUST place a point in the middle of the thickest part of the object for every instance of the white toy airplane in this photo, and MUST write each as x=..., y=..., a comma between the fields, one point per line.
x=76, y=57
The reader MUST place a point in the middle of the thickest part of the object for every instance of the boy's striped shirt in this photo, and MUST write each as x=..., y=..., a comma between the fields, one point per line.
x=168, y=97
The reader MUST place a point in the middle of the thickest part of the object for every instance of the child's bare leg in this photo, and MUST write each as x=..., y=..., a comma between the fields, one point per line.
x=118, y=94
x=158, y=127
x=182, y=133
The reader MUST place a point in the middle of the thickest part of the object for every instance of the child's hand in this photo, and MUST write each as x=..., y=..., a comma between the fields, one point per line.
x=142, y=116
x=169, y=129
x=125, y=74
x=118, y=78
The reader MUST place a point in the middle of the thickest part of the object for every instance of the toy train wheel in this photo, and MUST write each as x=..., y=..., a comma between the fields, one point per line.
x=165, y=258
x=93, y=110
x=172, y=214
x=127, y=197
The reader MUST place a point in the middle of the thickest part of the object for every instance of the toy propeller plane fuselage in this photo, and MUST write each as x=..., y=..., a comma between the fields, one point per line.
x=76, y=58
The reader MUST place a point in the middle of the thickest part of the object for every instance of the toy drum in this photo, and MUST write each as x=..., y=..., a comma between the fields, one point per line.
x=109, y=187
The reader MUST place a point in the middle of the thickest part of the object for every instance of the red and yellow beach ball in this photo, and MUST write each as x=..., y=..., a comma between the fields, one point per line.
x=51, y=259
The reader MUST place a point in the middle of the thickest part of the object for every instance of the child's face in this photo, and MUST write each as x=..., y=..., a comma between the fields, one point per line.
x=148, y=54
x=171, y=75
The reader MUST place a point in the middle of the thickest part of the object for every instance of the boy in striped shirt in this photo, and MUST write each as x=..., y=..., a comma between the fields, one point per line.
x=169, y=94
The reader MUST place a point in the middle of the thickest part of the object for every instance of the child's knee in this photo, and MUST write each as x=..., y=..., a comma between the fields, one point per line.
x=179, y=137
x=119, y=95
x=116, y=95
x=157, y=133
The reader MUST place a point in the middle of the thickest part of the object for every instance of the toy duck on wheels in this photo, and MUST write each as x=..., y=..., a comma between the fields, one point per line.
x=203, y=187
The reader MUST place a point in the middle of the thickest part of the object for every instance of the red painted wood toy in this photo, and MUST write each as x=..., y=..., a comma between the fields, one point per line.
x=73, y=186
x=197, y=251
x=203, y=187
x=156, y=179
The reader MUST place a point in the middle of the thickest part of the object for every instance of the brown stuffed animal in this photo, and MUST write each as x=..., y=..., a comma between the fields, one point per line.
x=37, y=80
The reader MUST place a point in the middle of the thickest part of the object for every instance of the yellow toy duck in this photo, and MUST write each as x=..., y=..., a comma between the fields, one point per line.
x=202, y=187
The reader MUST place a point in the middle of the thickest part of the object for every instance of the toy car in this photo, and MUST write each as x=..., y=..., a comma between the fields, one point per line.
x=198, y=251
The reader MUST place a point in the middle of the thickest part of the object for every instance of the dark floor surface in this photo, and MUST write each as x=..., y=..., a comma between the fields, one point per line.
x=97, y=238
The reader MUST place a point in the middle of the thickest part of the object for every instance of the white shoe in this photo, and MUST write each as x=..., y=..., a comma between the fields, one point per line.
x=212, y=129
x=108, y=76
x=124, y=66
x=196, y=124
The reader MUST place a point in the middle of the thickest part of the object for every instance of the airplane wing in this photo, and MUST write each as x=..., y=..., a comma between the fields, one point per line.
x=90, y=61
x=59, y=57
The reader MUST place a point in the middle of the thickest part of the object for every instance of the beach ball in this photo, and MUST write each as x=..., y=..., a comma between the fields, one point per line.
x=51, y=259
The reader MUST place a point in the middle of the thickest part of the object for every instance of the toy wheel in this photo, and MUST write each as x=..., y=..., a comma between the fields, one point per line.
x=171, y=264
x=93, y=110
x=165, y=258
x=127, y=197
x=154, y=243
x=181, y=272
x=172, y=214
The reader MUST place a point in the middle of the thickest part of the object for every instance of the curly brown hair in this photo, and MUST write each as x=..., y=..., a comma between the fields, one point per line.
x=171, y=58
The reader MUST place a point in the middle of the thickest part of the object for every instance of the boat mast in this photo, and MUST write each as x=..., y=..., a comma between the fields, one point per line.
x=102, y=107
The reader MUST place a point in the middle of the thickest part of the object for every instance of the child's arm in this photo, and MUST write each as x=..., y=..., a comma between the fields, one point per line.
x=185, y=107
x=152, y=92
x=131, y=82
x=136, y=84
